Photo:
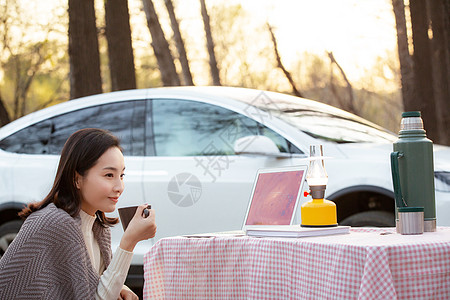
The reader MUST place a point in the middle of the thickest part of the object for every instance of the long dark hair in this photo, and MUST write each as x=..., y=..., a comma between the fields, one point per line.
x=80, y=152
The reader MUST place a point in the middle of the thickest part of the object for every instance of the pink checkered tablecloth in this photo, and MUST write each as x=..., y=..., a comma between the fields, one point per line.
x=365, y=264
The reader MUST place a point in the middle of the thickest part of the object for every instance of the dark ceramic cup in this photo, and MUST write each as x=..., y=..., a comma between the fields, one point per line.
x=127, y=213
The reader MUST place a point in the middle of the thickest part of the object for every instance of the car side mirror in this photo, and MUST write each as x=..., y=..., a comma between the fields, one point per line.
x=256, y=145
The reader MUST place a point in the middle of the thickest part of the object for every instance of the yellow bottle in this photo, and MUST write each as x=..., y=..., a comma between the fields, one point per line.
x=319, y=213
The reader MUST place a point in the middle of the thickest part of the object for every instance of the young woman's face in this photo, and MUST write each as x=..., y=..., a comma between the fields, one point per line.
x=102, y=184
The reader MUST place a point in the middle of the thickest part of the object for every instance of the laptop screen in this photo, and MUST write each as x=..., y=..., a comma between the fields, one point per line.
x=275, y=196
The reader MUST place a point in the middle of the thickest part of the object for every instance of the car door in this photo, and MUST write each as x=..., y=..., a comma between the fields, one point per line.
x=34, y=167
x=194, y=179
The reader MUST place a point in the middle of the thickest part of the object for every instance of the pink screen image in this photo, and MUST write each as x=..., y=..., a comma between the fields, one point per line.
x=274, y=198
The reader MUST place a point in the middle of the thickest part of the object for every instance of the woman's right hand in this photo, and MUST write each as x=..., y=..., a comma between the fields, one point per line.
x=140, y=228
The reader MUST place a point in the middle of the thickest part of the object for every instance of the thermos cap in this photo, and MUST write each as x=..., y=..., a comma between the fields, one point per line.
x=410, y=209
x=409, y=114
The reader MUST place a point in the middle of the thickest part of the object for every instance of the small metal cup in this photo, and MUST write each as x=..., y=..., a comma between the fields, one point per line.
x=410, y=220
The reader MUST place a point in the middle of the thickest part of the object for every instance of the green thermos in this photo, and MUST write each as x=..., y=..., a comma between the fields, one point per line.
x=412, y=168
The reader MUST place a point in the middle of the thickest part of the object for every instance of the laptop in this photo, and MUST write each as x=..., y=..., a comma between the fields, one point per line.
x=275, y=197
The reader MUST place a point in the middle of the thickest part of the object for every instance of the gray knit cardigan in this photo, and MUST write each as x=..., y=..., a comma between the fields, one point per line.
x=48, y=259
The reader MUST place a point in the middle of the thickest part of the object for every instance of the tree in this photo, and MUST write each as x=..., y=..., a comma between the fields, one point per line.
x=280, y=63
x=26, y=60
x=4, y=116
x=23, y=81
x=440, y=56
x=429, y=64
x=187, y=76
x=210, y=45
x=120, y=51
x=84, y=57
x=406, y=64
x=160, y=46
x=348, y=105
x=423, y=74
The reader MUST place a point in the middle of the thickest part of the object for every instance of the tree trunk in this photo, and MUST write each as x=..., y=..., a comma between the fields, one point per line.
x=26, y=68
x=280, y=63
x=440, y=48
x=423, y=68
x=187, y=76
x=4, y=116
x=120, y=50
x=160, y=46
x=406, y=63
x=350, y=103
x=85, y=78
x=210, y=45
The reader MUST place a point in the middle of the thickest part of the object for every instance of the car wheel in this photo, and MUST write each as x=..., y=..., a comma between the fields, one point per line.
x=375, y=218
x=8, y=232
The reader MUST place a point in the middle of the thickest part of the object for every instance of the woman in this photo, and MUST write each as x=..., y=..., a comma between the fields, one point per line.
x=63, y=250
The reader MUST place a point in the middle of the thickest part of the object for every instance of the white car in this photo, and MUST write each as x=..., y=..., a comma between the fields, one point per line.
x=193, y=153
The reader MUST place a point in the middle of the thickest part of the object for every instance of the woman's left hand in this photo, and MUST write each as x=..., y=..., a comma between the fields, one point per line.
x=127, y=294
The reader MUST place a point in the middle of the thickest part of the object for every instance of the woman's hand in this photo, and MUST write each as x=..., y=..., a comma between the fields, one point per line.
x=140, y=228
x=127, y=294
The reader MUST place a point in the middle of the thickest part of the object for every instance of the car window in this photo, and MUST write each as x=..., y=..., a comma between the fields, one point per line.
x=33, y=139
x=124, y=119
x=190, y=128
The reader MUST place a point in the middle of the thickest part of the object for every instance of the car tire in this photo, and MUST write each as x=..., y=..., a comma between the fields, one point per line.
x=376, y=218
x=8, y=232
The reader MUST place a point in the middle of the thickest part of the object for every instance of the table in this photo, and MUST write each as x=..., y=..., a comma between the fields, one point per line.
x=367, y=263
